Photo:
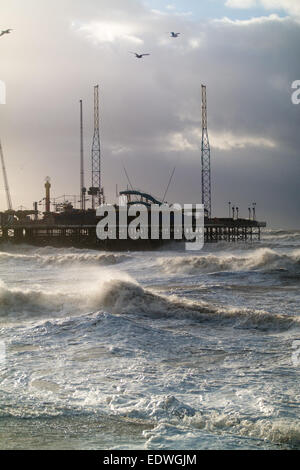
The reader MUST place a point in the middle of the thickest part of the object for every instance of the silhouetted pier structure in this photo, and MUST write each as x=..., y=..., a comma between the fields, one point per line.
x=80, y=231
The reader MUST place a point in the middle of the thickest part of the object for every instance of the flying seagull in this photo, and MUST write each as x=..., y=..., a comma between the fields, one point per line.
x=174, y=35
x=138, y=56
x=7, y=31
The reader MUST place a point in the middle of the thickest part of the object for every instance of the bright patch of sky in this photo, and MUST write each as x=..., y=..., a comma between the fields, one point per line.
x=212, y=9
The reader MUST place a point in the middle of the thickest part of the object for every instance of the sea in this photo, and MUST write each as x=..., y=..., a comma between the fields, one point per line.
x=167, y=349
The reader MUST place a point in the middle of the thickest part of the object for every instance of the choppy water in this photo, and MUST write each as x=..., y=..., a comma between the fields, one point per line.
x=160, y=350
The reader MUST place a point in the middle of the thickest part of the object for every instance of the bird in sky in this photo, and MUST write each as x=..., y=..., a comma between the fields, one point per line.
x=174, y=35
x=6, y=31
x=138, y=56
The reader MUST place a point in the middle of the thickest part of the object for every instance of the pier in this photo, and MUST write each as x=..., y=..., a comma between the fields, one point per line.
x=62, y=231
x=63, y=224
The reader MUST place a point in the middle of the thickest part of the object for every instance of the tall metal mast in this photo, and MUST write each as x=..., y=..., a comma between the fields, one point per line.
x=205, y=158
x=96, y=190
x=82, y=188
x=8, y=198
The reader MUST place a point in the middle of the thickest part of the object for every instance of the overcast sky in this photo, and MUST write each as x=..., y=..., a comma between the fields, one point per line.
x=245, y=51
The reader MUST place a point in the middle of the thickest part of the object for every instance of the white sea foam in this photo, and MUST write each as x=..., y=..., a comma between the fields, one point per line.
x=279, y=430
x=260, y=259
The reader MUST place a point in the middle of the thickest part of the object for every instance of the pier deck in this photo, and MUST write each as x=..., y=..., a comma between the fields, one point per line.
x=41, y=233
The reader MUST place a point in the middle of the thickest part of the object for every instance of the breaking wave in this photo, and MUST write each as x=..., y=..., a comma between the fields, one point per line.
x=64, y=259
x=281, y=233
x=120, y=296
x=29, y=303
x=262, y=259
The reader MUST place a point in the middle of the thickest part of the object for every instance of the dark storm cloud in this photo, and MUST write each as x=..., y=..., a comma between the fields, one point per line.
x=150, y=108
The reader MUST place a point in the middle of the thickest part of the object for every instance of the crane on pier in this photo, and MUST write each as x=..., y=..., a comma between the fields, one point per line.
x=8, y=197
